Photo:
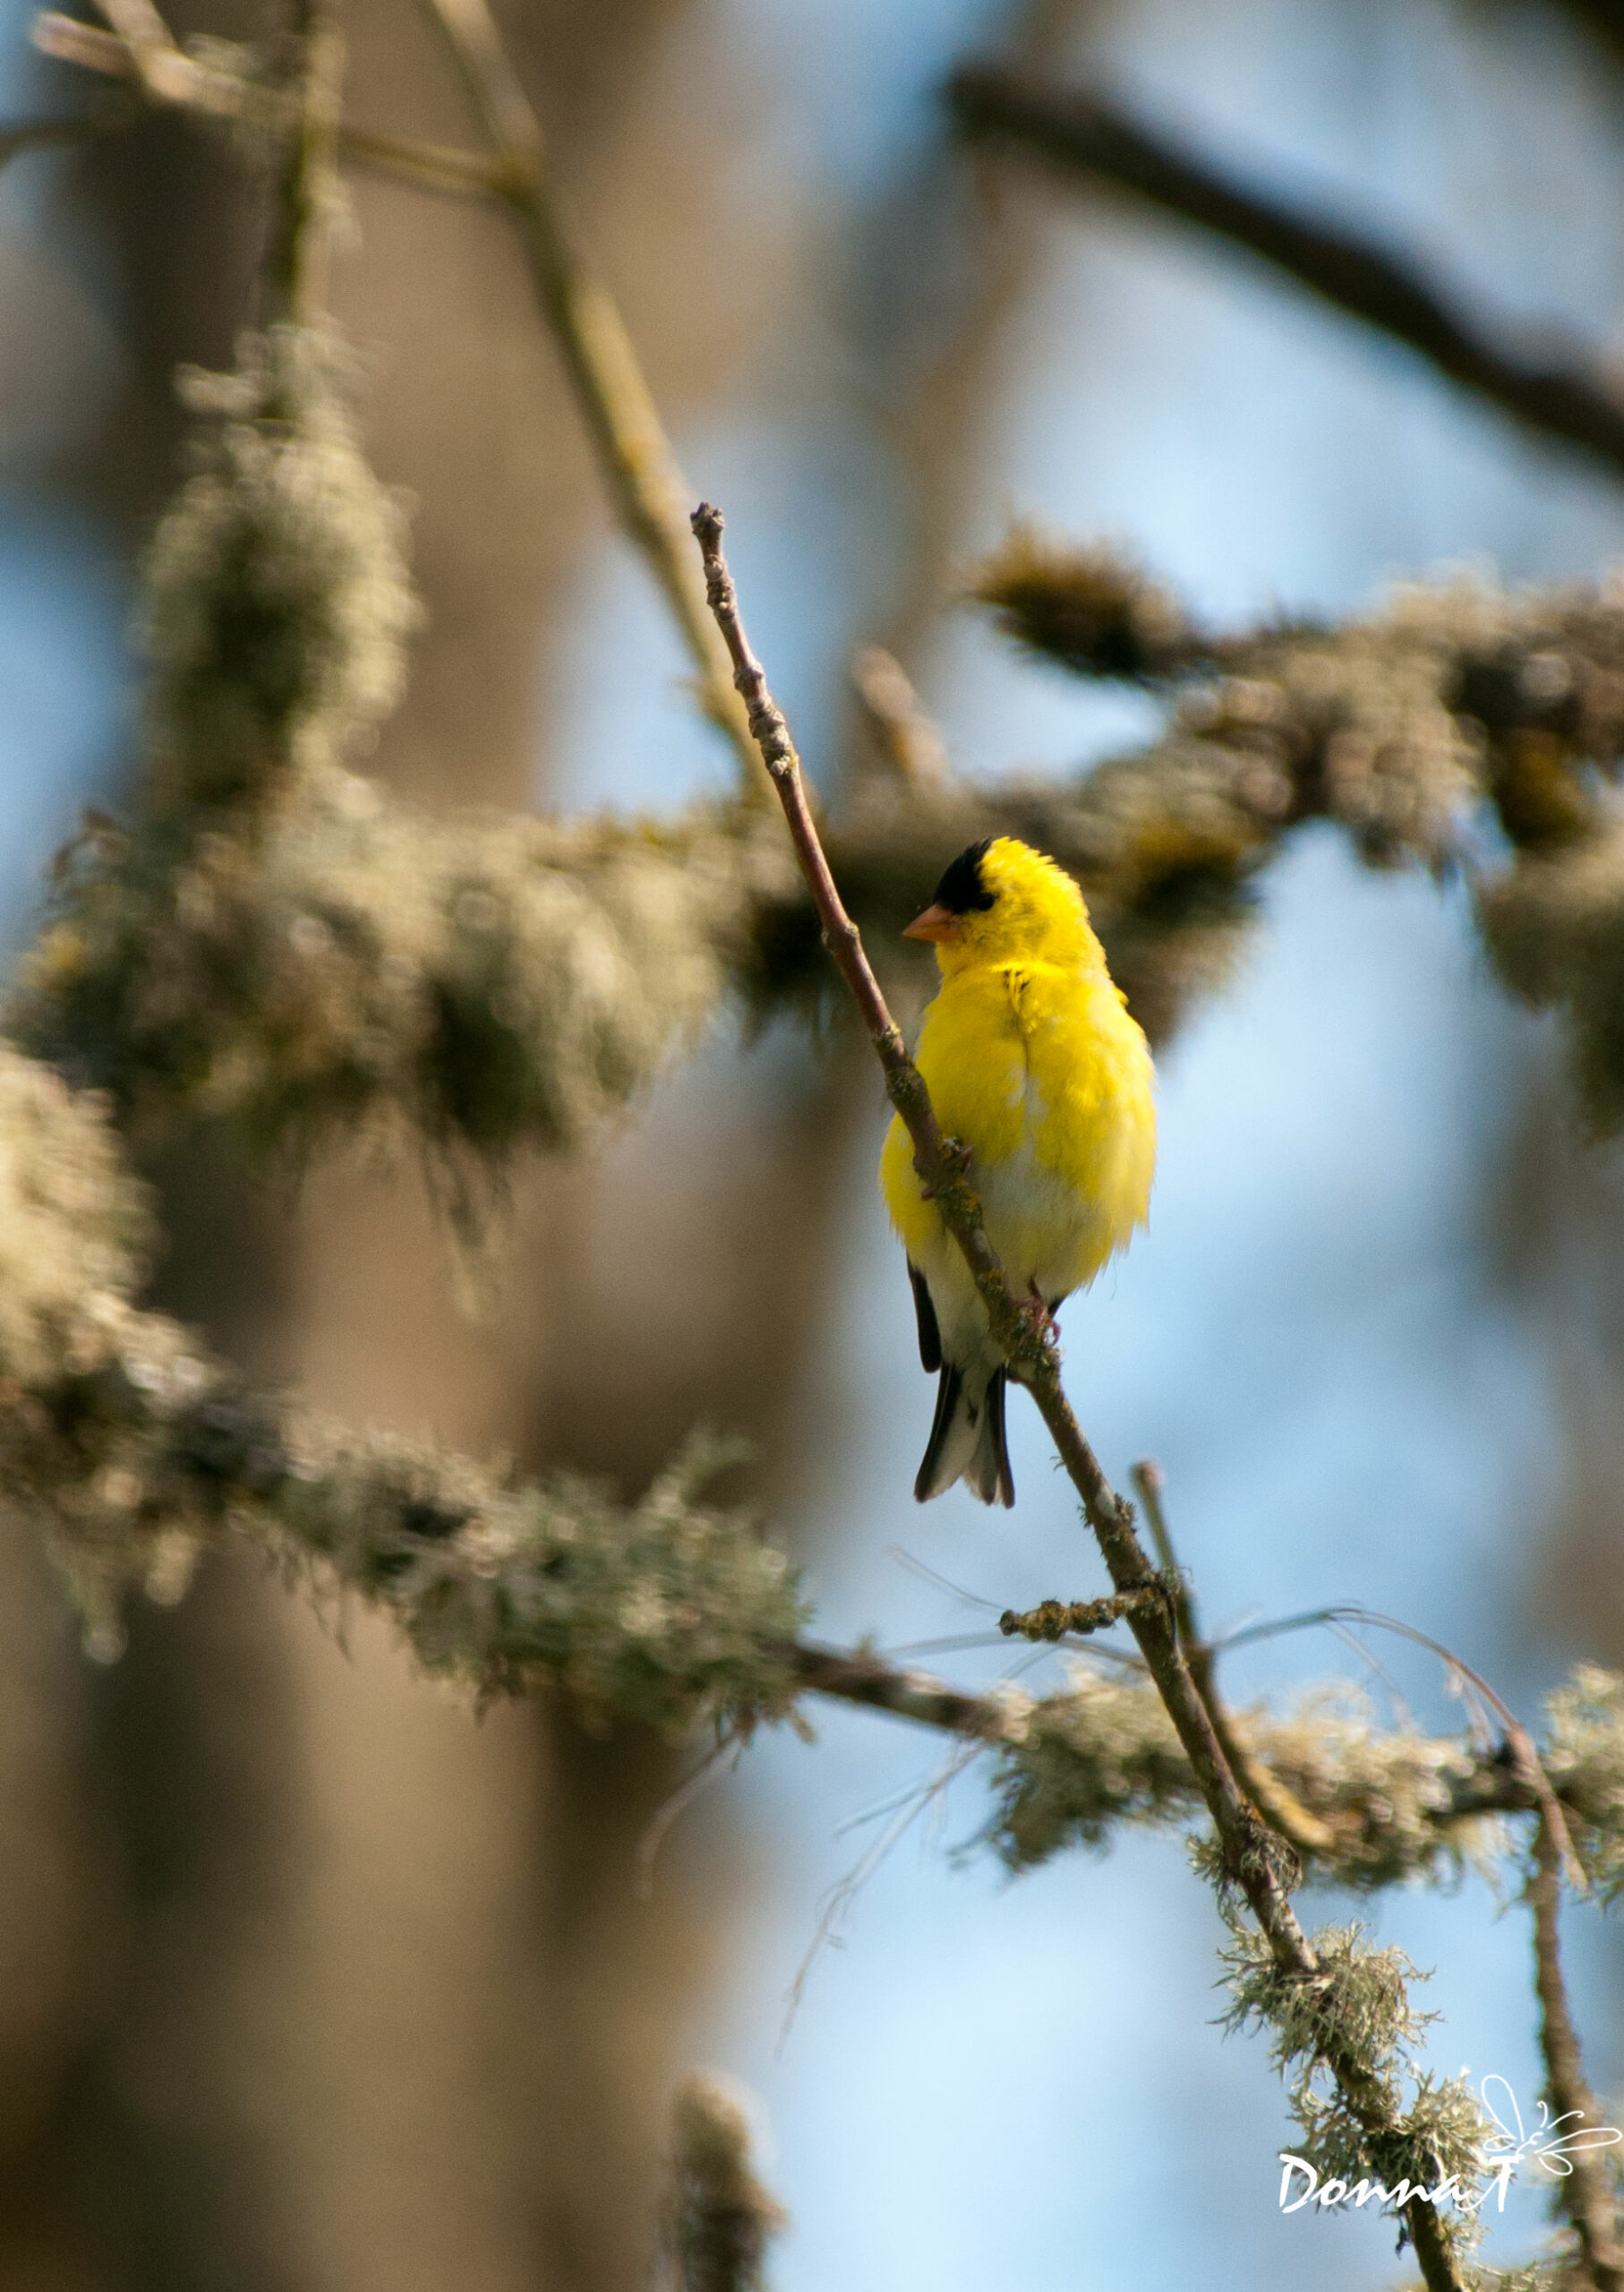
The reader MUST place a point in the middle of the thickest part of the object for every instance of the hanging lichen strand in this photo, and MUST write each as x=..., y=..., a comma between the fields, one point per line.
x=271, y=940
x=276, y=597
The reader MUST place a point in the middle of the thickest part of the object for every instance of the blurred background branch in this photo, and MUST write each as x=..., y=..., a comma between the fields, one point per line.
x=1078, y=131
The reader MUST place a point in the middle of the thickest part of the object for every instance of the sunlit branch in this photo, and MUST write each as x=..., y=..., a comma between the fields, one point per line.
x=638, y=465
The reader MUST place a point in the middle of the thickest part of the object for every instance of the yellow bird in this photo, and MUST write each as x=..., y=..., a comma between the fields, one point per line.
x=1034, y=1064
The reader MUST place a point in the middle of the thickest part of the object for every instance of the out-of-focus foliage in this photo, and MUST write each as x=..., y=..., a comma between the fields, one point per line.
x=276, y=598
x=136, y=1448
x=480, y=984
x=274, y=941
x=1454, y=707
x=721, y=2217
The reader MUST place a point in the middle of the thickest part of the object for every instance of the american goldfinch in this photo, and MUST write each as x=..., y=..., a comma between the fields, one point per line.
x=1033, y=1064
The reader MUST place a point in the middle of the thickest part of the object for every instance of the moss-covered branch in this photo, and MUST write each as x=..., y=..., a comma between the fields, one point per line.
x=273, y=940
x=138, y=1449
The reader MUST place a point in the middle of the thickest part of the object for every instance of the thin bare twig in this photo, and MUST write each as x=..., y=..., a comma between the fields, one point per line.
x=1251, y=1855
x=1081, y=133
x=1306, y=1834
x=635, y=456
x=1585, y=2195
x=1526, y=1759
x=149, y=42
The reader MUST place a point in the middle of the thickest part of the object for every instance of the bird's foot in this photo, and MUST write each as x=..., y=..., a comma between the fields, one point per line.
x=1036, y=1314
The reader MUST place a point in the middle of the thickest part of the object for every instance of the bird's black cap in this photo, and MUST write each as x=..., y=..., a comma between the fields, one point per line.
x=963, y=886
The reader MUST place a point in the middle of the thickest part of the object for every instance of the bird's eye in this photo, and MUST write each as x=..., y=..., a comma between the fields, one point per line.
x=963, y=889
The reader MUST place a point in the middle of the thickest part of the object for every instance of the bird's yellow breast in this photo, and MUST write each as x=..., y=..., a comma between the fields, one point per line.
x=1040, y=1071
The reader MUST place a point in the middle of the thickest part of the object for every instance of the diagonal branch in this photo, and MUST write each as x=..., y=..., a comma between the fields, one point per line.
x=150, y=45
x=1251, y=1855
x=297, y=264
x=189, y=85
x=1303, y=1831
x=633, y=453
x=1585, y=2195
x=1081, y=133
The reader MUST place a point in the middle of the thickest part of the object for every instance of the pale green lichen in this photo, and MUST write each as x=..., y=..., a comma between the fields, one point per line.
x=1583, y=1756
x=135, y=1450
x=484, y=984
x=275, y=600
x=1396, y=1806
x=1344, y=2041
x=74, y=1228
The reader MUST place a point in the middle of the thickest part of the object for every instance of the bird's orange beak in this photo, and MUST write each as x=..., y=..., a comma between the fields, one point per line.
x=938, y=922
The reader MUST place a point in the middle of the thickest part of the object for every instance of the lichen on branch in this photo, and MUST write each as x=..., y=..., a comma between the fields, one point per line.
x=276, y=600
x=272, y=940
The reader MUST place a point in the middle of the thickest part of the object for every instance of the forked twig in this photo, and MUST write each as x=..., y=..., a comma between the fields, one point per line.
x=1526, y=1760
x=1304, y=1831
x=189, y=85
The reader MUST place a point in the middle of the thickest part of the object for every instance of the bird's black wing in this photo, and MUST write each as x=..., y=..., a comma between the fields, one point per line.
x=930, y=1336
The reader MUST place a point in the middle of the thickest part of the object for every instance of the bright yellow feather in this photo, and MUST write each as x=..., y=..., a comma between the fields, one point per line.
x=1034, y=1063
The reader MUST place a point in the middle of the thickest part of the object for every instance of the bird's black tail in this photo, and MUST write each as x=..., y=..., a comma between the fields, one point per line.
x=967, y=1441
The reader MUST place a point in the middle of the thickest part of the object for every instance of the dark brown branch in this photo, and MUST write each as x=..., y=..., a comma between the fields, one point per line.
x=1605, y=18
x=1252, y=1856
x=852, y=1676
x=42, y=134
x=1081, y=133
x=1585, y=2196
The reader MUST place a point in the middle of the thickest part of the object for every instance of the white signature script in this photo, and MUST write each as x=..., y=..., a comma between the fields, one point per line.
x=1547, y=2144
